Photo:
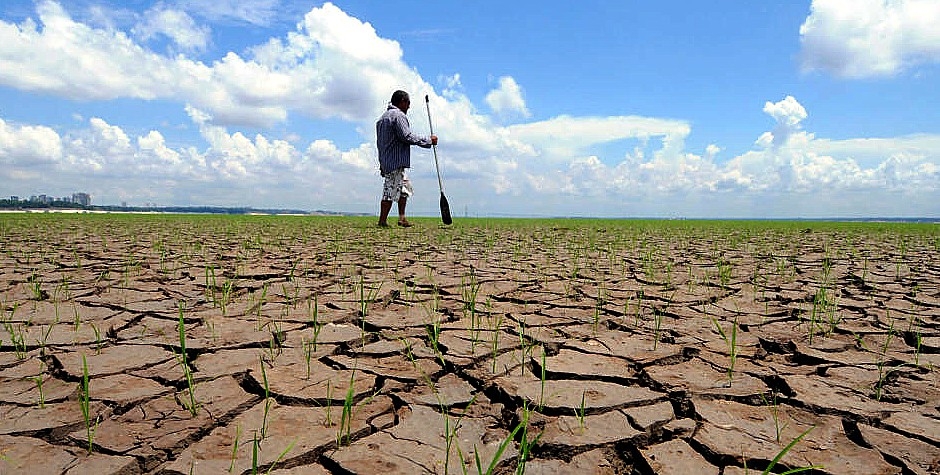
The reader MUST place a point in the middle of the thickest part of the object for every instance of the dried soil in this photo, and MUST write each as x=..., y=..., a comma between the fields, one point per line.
x=326, y=345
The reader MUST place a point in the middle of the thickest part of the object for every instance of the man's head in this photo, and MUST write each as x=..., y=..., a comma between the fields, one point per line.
x=401, y=100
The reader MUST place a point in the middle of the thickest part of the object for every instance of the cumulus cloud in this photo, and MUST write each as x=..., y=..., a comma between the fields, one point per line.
x=507, y=100
x=546, y=161
x=865, y=38
x=28, y=146
x=788, y=114
x=794, y=161
x=231, y=170
x=332, y=66
x=564, y=136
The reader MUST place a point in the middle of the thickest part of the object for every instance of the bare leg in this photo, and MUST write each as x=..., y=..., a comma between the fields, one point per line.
x=402, y=202
x=385, y=208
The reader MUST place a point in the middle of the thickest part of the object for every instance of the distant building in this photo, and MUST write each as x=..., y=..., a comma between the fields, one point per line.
x=83, y=199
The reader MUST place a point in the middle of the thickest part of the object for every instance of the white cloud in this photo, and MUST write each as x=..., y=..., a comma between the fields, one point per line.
x=864, y=38
x=333, y=65
x=803, y=176
x=73, y=60
x=712, y=151
x=507, y=100
x=798, y=165
x=564, y=136
x=788, y=113
x=28, y=146
x=806, y=165
x=176, y=25
x=153, y=147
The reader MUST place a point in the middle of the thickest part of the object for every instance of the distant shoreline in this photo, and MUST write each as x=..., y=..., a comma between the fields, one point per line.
x=176, y=210
x=288, y=212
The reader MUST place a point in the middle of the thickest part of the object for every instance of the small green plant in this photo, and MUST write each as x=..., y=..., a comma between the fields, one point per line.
x=183, y=358
x=210, y=285
x=883, y=371
x=542, y=370
x=366, y=295
x=433, y=330
x=238, y=435
x=34, y=283
x=525, y=443
x=494, y=342
x=281, y=456
x=732, y=349
x=228, y=287
x=43, y=338
x=774, y=409
x=658, y=317
x=524, y=344
x=579, y=412
x=17, y=339
x=328, y=421
x=99, y=343
x=784, y=452
x=84, y=399
x=345, y=424
x=469, y=288
x=260, y=303
x=275, y=347
x=39, y=381
x=77, y=320
x=314, y=315
x=451, y=426
x=255, y=446
x=267, y=400
x=724, y=272
x=732, y=342
x=309, y=347
x=638, y=309
x=494, y=462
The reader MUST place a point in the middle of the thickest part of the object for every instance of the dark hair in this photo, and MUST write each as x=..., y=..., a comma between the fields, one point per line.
x=399, y=96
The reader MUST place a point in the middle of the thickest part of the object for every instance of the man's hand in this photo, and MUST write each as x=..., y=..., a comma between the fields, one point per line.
x=434, y=140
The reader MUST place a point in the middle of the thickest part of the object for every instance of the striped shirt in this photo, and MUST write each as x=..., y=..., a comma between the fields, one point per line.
x=394, y=140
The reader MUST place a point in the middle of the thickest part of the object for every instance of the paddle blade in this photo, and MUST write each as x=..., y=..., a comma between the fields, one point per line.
x=445, y=210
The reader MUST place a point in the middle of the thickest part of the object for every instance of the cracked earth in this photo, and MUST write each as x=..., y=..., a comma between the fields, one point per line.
x=328, y=346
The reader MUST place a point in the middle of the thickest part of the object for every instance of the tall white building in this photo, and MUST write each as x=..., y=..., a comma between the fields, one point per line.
x=83, y=199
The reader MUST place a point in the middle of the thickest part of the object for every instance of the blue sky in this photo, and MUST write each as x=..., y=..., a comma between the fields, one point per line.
x=740, y=109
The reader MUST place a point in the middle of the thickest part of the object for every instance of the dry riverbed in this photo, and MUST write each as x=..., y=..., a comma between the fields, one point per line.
x=201, y=344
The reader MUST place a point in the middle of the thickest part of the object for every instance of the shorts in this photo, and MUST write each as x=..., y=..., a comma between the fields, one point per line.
x=397, y=186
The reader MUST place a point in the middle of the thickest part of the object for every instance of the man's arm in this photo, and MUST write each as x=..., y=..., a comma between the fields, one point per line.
x=404, y=133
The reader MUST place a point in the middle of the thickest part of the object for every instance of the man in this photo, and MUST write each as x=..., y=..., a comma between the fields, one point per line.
x=394, y=140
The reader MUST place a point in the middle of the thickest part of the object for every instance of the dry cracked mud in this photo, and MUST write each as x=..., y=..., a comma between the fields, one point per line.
x=328, y=346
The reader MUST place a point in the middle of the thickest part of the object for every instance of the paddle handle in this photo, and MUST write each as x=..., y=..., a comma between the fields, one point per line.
x=440, y=184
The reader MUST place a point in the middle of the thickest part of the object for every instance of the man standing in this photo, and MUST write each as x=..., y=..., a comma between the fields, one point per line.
x=394, y=140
